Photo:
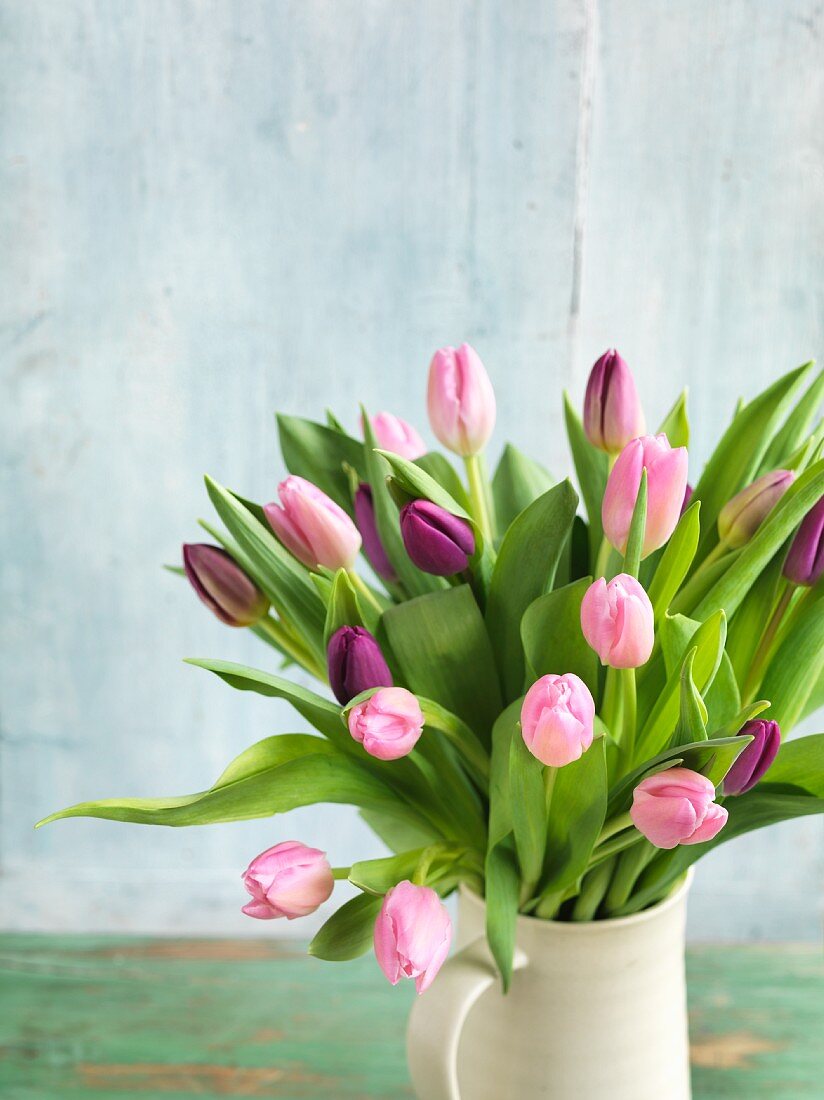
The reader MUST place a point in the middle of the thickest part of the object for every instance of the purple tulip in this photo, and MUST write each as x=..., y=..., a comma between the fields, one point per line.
x=372, y=545
x=612, y=411
x=435, y=540
x=355, y=663
x=222, y=585
x=755, y=760
x=805, y=561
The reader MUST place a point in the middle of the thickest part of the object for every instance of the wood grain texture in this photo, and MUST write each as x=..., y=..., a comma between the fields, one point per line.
x=214, y=209
x=119, y=1017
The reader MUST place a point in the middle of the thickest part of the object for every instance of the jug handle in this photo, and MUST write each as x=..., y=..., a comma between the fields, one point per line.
x=438, y=1016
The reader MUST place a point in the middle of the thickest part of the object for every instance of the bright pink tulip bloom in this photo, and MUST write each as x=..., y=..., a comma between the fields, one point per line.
x=460, y=400
x=395, y=435
x=388, y=724
x=612, y=411
x=289, y=880
x=617, y=621
x=666, y=484
x=676, y=807
x=312, y=526
x=557, y=719
x=412, y=934
x=741, y=516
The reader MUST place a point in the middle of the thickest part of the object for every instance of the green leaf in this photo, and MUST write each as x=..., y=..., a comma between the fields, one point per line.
x=723, y=698
x=502, y=890
x=377, y=876
x=637, y=529
x=343, y=608
x=349, y=932
x=283, y=579
x=751, y=618
x=518, y=480
x=730, y=589
x=321, y=713
x=441, y=469
x=319, y=453
x=794, y=671
x=577, y=811
x=552, y=637
x=400, y=834
x=266, y=784
x=504, y=731
x=676, y=426
x=693, y=716
x=796, y=429
x=738, y=455
x=526, y=784
x=675, y=561
x=734, y=724
x=592, y=469
x=800, y=763
x=444, y=652
x=414, y=580
x=525, y=569
x=708, y=640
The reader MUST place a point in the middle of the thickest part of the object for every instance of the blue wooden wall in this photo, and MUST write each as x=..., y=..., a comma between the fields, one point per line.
x=215, y=208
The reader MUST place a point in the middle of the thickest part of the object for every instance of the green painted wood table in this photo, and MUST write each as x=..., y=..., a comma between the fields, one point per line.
x=129, y=1018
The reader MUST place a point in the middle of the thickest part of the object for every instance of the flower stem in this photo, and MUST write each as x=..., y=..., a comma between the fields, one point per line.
x=479, y=495
x=765, y=645
x=341, y=873
x=592, y=894
x=292, y=646
x=616, y=825
x=629, y=710
x=602, y=561
x=364, y=590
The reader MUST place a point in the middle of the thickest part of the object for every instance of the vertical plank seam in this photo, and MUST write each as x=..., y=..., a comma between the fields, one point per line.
x=583, y=143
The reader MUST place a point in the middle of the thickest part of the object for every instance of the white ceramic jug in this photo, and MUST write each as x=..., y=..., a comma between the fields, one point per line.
x=596, y=1011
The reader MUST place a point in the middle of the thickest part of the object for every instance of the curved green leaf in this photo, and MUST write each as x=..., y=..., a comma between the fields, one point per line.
x=349, y=932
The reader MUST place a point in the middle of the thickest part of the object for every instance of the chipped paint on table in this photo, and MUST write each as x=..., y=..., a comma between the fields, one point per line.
x=119, y=1018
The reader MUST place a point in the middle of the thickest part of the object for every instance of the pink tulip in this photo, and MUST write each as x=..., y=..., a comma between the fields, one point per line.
x=412, y=934
x=395, y=435
x=612, y=412
x=312, y=526
x=460, y=400
x=666, y=485
x=557, y=719
x=741, y=516
x=676, y=807
x=617, y=621
x=289, y=880
x=388, y=724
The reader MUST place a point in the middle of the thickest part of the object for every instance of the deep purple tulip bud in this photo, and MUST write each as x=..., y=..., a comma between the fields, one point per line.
x=805, y=561
x=222, y=585
x=687, y=498
x=612, y=411
x=435, y=540
x=755, y=760
x=372, y=545
x=355, y=663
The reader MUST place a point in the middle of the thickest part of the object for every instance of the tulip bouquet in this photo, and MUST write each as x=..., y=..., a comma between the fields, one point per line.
x=558, y=711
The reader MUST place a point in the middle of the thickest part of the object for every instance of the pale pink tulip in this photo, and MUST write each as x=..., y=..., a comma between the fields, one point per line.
x=557, y=719
x=666, y=485
x=312, y=526
x=460, y=400
x=289, y=880
x=412, y=934
x=617, y=621
x=388, y=724
x=396, y=435
x=676, y=807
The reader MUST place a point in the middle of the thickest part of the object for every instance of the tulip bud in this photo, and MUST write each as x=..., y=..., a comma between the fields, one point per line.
x=617, y=621
x=805, y=561
x=388, y=724
x=435, y=540
x=688, y=492
x=755, y=760
x=557, y=719
x=460, y=400
x=666, y=484
x=394, y=434
x=676, y=807
x=741, y=517
x=372, y=545
x=222, y=585
x=412, y=934
x=312, y=526
x=355, y=663
x=612, y=412
x=289, y=880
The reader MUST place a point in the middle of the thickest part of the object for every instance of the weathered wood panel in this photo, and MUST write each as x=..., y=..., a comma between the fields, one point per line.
x=213, y=209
